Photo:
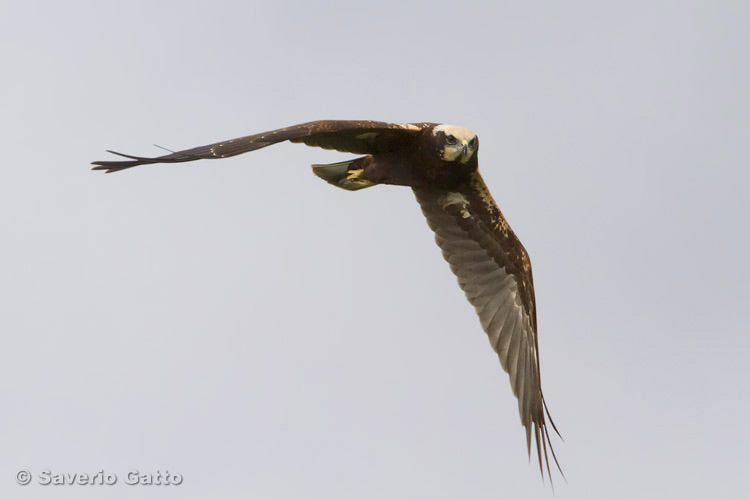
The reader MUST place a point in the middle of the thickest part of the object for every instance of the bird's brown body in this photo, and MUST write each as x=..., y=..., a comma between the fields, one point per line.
x=411, y=168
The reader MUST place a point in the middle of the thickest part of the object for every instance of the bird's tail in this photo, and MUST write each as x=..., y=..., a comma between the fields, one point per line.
x=344, y=174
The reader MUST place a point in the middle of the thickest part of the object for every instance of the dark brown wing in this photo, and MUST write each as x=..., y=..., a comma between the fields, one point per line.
x=494, y=271
x=360, y=137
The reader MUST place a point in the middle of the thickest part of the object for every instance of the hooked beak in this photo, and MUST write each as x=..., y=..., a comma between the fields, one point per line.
x=465, y=154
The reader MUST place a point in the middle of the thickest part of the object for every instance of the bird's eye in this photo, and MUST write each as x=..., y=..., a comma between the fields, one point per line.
x=473, y=143
x=450, y=139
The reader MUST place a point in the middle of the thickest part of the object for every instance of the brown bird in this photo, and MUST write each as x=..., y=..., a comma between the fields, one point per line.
x=439, y=163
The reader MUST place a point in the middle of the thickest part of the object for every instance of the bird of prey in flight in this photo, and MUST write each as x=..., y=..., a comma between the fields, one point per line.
x=439, y=163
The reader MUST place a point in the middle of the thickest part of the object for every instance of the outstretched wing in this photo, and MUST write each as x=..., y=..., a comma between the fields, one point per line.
x=350, y=136
x=494, y=271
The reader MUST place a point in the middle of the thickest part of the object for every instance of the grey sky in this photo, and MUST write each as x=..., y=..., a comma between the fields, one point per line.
x=267, y=336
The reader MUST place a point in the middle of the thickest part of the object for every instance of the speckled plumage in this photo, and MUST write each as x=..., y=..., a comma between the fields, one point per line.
x=439, y=162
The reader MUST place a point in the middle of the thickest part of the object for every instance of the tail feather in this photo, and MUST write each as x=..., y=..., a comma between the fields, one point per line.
x=344, y=175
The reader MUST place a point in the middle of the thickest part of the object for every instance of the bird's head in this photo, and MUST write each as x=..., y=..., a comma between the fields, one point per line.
x=455, y=144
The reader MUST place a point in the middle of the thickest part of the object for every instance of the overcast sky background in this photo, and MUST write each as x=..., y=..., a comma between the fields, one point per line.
x=267, y=336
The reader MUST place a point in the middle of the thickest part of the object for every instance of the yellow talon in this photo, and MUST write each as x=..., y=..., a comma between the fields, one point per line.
x=354, y=174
